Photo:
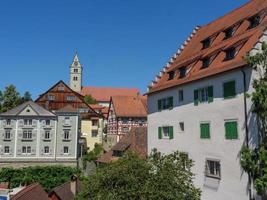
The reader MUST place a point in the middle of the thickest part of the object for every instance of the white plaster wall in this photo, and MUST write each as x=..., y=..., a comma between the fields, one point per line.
x=232, y=185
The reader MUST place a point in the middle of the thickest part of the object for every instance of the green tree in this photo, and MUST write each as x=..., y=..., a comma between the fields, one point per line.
x=254, y=161
x=89, y=99
x=93, y=155
x=167, y=177
x=26, y=97
x=48, y=176
x=10, y=98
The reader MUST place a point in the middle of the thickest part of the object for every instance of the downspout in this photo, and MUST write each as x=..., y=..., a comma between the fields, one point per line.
x=246, y=124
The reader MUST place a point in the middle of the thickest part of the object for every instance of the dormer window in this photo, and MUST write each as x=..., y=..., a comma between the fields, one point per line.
x=205, y=62
x=206, y=43
x=230, y=53
x=254, y=21
x=61, y=88
x=182, y=71
x=171, y=75
x=228, y=33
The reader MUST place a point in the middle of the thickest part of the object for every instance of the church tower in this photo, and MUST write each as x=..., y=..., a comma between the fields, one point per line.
x=76, y=71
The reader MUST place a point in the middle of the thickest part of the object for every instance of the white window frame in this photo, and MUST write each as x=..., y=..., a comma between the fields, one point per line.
x=216, y=169
x=64, y=148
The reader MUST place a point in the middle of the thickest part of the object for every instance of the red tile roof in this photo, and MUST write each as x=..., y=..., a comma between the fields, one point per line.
x=4, y=185
x=104, y=93
x=129, y=106
x=32, y=192
x=191, y=54
x=135, y=141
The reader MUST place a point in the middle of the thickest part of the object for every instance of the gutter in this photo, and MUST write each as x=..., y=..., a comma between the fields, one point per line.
x=246, y=125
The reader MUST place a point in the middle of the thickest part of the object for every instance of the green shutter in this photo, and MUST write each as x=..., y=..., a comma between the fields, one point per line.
x=195, y=97
x=159, y=105
x=170, y=102
x=205, y=131
x=170, y=132
x=229, y=89
x=160, y=132
x=231, y=130
x=210, y=94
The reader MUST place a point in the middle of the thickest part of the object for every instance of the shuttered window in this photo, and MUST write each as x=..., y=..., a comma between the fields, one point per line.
x=231, y=130
x=165, y=132
x=165, y=103
x=203, y=95
x=229, y=90
x=204, y=130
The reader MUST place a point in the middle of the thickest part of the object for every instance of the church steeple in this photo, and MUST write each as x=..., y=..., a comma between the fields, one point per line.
x=76, y=74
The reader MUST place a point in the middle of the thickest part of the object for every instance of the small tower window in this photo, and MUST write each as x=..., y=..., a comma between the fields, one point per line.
x=230, y=53
x=75, y=78
x=206, y=43
x=254, y=21
x=228, y=33
x=205, y=62
x=171, y=75
x=75, y=70
x=182, y=71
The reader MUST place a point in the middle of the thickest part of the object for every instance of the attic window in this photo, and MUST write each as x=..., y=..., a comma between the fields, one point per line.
x=182, y=71
x=61, y=88
x=206, y=43
x=205, y=62
x=230, y=53
x=28, y=110
x=171, y=75
x=228, y=33
x=254, y=21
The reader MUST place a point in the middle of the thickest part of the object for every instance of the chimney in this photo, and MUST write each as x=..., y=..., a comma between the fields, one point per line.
x=73, y=184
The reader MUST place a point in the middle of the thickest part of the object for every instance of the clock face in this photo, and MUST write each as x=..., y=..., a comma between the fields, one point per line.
x=75, y=63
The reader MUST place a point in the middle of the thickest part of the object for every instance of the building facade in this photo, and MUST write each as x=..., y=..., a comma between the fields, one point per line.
x=198, y=103
x=31, y=134
x=125, y=112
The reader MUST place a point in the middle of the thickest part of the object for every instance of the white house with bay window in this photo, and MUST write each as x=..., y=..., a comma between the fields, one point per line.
x=198, y=103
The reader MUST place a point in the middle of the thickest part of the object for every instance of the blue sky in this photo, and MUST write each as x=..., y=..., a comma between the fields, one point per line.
x=121, y=43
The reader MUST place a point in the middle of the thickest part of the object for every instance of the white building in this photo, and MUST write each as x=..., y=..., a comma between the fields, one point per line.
x=197, y=103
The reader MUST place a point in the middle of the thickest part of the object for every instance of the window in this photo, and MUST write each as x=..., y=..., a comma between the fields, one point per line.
x=205, y=62
x=27, y=134
x=26, y=149
x=171, y=75
x=117, y=153
x=75, y=78
x=165, y=103
x=8, y=122
x=254, y=21
x=182, y=71
x=75, y=70
x=7, y=134
x=47, y=135
x=51, y=98
x=27, y=122
x=181, y=95
x=203, y=95
x=181, y=126
x=61, y=88
x=231, y=130
x=165, y=132
x=213, y=169
x=46, y=149
x=71, y=98
x=204, y=130
x=67, y=121
x=229, y=90
x=125, y=129
x=206, y=43
x=94, y=133
x=66, y=134
x=66, y=150
x=95, y=122
x=230, y=53
x=228, y=33
x=6, y=150
x=47, y=122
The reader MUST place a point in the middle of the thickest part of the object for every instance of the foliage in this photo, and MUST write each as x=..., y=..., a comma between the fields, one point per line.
x=11, y=98
x=48, y=176
x=93, y=155
x=254, y=161
x=90, y=100
x=159, y=176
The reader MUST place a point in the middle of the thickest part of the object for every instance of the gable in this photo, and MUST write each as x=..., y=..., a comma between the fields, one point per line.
x=28, y=111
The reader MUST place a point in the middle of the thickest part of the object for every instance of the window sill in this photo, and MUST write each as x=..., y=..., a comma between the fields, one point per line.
x=24, y=139
x=66, y=140
x=46, y=139
x=230, y=97
x=7, y=139
x=213, y=176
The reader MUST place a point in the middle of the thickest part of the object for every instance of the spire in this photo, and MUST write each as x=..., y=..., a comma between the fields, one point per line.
x=76, y=74
x=76, y=58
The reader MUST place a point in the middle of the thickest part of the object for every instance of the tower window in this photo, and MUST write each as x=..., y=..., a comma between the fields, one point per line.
x=205, y=63
x=230, y=53
x=254, y=21
x=206, y=43
x=75, y=78
x=171, y=75
x=228, y=33
x=75, y=70
x=182, y=72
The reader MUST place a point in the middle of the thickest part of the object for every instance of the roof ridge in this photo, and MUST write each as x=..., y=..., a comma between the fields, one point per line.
x=26, y=189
